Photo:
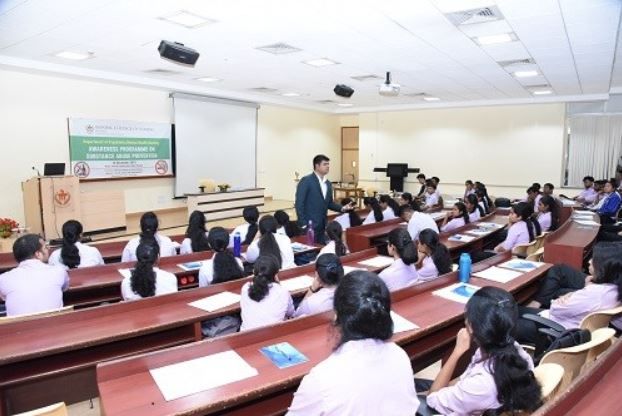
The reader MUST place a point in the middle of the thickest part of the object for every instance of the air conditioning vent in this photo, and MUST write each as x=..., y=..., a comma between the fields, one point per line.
x=279, y=48
x=517, y=62
x=469, y=17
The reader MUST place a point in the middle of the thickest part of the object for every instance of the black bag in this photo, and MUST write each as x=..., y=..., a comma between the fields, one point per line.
x=565, y=339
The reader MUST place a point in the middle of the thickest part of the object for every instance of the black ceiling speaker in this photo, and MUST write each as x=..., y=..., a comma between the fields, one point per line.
x=177, y=52
x=343, y=90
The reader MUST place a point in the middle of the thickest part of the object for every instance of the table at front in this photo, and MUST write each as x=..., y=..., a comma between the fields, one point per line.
x=571, y=243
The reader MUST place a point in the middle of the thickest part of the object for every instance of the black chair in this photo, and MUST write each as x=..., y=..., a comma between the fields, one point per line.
x=503, y=203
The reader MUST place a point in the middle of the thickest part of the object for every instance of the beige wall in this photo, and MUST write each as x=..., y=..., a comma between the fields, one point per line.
x=34, y=110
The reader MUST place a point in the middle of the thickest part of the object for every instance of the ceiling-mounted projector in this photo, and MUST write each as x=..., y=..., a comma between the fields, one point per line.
x=388, y=89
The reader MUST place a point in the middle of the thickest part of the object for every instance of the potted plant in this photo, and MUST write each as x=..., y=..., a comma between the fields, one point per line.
x=6, y=227
x=223, y=187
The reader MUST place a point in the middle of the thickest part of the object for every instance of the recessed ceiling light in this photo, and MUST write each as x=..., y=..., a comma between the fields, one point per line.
x=290, y=94
x=320, y=62
x=208, y=79
x=431, y=98
x=494, y=39
x=525, y=74
x=542, y=92
x=75, y=56
x=187, y=19
x=345, y=104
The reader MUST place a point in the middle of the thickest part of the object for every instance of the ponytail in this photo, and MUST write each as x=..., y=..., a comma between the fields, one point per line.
x=143, y=278
x=386, y=199
x=334, y=232
x=225, y=265
x=403, y=243
x=69, y=253
x=550, y=202
x=355, y=220
x=264, y=270
x=251, y=215
x=440, y=255
x=465, y=213
x=148, y=227
x=267, y=243
x=375, y=206
x=329, y=269
x=524, y=211
x=196, y=232
x=472, y=198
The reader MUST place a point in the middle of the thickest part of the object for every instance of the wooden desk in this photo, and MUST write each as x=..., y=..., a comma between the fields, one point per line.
x=46, y=360
x=349, y=192
x=478, y=243
x=571, y=243
x=126, y=387
x=362, y=237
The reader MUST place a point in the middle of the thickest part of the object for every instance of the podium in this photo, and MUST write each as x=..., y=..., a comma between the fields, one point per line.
x=397, y=172
x=49, y=201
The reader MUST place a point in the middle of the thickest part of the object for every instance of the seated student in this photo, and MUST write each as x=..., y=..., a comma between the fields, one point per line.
x=533, y=197
x=33, y=286
x=350, y=218
x=147, y=280
x=434, y=259
x=456, y=218
x=406, y=198
x=611, y=203
x=500, y=375
x=247, y=231
x=474, y=209
x=421, y=179
x=335, y=243
x=279, y=246
x=402, y=272
x=366, y=374
x=522, y=228
x=223, y=266
x=548, y=189
x=264, y=301
x=602, y=290
x=548, y=213
x=469, y=189
x=149, y=230
x=375, y=211
x=599, y=187
x=196, y=235
x=588, y=195
x=319, y=297
x=73, y=253
x=435, y=180
x=417, y=220
x=286, y=227
x=482, y=196
x=390, y=208
x=431, y=197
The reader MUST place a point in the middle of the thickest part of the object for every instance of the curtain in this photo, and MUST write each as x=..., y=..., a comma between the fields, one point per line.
x=594, y=147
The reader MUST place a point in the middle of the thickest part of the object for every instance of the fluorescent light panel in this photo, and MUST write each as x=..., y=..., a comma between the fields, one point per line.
x=542, y=92
x=187, y=19
x=74, y=56
x=320, y=62
x=345, y=104
x=431, y=98
x=525, y=74
x=495, y=39
x=290, y=94
x=208, y=79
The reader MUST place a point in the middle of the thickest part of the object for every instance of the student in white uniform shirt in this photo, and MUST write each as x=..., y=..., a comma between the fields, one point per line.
x=280, y=246
x=469, y=188
x=367, y=374
x=249, y=230
x=223, y=266
x=335, y=244
x=147, y=280
x=319, y=297
x=476, y=211
x=149, y=230
x=434, y=259
x=286, y=227
x=350, y=218
x=196, y=235
x=375, y=211
x=456, y=218
x=432, y=199
x=390, y=208
x=264, y=301
x=73, y=253
x=402, y=272
x=417, y=221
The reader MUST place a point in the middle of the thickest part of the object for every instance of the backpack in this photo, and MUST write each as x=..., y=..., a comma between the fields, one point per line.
x=564, y=339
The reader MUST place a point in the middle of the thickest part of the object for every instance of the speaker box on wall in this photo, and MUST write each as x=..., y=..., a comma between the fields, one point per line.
x=343, y=90
x=177, y=52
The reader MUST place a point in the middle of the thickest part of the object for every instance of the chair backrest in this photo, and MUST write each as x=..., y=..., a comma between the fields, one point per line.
x=536, y=255
x=549, y=377
x=540, y=239
x=523, y=250
x=57, y=409
x=602, y=339
x=16, y=318
x=600, y=319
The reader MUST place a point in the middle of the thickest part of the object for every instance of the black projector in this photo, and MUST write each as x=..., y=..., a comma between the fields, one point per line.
x=343, y=90
x=177, y=52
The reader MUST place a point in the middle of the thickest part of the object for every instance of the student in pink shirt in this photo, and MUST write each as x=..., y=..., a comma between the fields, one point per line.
x=500, y=375
x=319, y=297
x=469, y=188
x=456, y=218
x=588, y=195
x=548, y=213
x=434, y=259
x=367, y=374
x=335, y=244
x=474, y=209
x=402, y=272
x=522, y=228
x=375, y=210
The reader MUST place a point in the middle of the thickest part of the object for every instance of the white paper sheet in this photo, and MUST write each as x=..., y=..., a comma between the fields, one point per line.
x=185, y=266
x=215, y=302
x=379, y=261
x=200, y=374
x=485, y=224
x=587, y=222
x=125, y=272
x=479, y=232
x=297, y=283
x=458, y=292
x=461, y=237
x=401, y=324
x=567, y=202
x=521, y=265
x=497, y=274
x=348, y=269
x=299, y=247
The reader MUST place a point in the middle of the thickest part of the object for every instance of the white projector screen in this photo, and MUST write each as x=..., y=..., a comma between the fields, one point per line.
x=214, y=139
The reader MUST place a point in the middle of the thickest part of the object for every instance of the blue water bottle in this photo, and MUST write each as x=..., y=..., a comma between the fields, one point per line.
x=237, y=244
x=310, y=233
x=464, y=268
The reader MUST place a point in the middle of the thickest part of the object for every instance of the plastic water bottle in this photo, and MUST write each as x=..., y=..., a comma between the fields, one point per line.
x=310, y=233
x=237, y=244
x=464, y=268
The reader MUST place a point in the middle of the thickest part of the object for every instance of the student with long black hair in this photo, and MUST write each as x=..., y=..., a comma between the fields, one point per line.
x=548, y=213
x=456, y=218
x=271, y=243
x=149, y=231
x=196, y=234
x=319, y=296
x=286, y=227
x=366, y=374
x=146, y=279
x=73, y=253
x=264, y=301
x=390, y=208
x=223, y=266
x=474, y=209
x=434, y=259
x=402, y=272
x=523, y=229
x=249, y=230
x=375, y=211
x=500, y=376
x=469, y=188
x=335, y=244
x=350, y=218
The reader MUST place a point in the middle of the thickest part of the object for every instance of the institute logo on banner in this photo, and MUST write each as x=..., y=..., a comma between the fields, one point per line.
x=62, y=197
x=161, y=167
x=81, y=170
x=90, y=129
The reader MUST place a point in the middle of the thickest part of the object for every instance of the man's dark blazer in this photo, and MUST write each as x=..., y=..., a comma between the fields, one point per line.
x=311, y=204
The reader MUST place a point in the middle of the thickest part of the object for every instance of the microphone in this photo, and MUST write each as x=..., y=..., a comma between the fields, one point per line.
x=36, y=170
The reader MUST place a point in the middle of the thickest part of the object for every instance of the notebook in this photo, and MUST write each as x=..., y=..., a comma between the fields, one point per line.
x=215, y=302
x=192, y=265
x=521, y=265
x=461, y=237
x=379, y=261
x=297, y=283
x=497, y=274
x=401, y=324
x=283, y=355
x=458, y=292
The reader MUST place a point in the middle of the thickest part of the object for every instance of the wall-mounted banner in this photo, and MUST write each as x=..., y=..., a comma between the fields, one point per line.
x=106, y=149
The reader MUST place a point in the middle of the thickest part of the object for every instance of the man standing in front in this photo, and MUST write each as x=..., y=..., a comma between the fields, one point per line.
x=314, y=197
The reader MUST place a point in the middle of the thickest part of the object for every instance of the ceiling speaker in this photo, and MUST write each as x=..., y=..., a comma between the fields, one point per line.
x=177, y=52
x=343, y=90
